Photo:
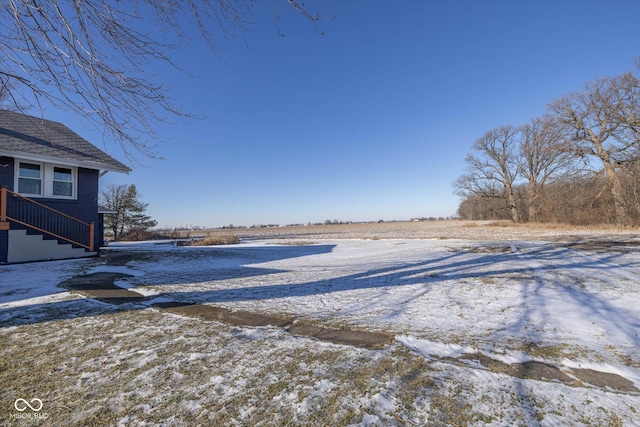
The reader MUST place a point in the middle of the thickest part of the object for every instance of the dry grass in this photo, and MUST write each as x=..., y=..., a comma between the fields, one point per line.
x=555, y=226
x=442, y=230
x=224, y=239
x=179, y=371
x=108, y=366
x=295, y=243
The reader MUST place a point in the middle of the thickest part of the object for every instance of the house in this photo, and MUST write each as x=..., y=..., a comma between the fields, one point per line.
x=49, y=190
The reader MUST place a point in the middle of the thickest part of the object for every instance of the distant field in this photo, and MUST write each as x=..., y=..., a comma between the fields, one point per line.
x=485, y=324
x=468, y=230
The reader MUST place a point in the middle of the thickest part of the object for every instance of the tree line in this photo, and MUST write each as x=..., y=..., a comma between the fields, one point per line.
x=578, y=163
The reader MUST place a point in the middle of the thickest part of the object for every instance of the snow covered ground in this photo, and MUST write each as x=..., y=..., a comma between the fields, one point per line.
x=450, y=304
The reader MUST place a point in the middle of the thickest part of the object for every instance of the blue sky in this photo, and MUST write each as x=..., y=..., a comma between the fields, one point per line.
x=371, y=120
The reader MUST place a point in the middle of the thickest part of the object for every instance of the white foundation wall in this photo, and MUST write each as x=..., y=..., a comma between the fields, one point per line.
x=25, y=247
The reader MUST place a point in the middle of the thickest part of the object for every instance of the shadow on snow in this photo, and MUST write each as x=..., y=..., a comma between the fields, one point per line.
x=194, y=266
x=538, y=269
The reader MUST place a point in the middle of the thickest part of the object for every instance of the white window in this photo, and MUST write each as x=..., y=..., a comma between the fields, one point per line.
x=62, y=182
x=30, y=178
x=46, y=180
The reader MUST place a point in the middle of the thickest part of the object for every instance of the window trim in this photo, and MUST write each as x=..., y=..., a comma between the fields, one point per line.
x=47, y=179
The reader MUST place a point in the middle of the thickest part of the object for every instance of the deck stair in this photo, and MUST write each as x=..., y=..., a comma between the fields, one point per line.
x=38, y=232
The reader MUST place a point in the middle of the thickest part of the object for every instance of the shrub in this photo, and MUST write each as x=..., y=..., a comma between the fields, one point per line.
x=139, y=234
x=224, y=239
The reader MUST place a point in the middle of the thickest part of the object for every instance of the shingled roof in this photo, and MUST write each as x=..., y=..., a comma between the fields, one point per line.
x=34, y=138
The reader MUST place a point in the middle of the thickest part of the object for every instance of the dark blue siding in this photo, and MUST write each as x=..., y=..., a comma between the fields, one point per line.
x=84, y=208
x=6, y=180
x=100, y=231
x=6, y=172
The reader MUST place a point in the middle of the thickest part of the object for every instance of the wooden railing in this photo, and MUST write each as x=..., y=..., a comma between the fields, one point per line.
x=36, y=216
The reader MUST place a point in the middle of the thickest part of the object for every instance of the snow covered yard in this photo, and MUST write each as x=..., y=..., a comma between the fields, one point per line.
x=499, y=332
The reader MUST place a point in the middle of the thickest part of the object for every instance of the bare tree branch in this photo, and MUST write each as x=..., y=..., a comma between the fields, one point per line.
x=92, y=57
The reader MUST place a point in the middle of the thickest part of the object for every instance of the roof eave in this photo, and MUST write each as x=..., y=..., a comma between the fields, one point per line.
x=66, y=162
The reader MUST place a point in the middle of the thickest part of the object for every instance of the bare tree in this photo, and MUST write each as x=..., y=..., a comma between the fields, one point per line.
x=92, y=56
x=555, y=154
x=542, y=158
x=493, y=170
x=129, y=210
x=603, y=121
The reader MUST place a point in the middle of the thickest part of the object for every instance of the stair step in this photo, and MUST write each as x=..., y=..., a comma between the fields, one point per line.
x=24, y=247
x=48, y=237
